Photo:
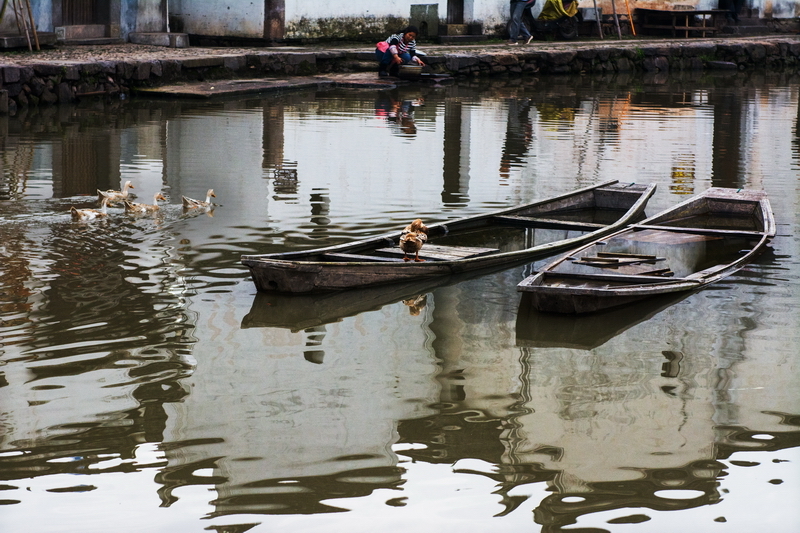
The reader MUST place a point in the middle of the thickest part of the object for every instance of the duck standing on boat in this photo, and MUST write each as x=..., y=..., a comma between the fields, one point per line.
x=113, y=196
x=412, y=238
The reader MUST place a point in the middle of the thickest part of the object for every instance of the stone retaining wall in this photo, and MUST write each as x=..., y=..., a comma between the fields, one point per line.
x=47, y=83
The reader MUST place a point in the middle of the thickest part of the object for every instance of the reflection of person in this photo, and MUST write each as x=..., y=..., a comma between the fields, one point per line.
x=519, y=133
x=400, y=112
x=515, y=24
x=398, y=49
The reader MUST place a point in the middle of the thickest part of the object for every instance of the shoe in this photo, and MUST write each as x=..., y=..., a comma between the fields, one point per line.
x=512, y=42
x=530, y=38
x=383, y=74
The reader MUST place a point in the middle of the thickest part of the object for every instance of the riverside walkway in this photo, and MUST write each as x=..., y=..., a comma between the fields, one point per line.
x=68, y=73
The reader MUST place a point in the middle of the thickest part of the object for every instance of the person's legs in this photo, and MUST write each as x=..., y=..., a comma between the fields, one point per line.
x=516, y=21
x=384, y=59
x=394, y=68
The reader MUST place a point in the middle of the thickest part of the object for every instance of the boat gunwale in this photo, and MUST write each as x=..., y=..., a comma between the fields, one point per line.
x=285, y=259
x=694, y=281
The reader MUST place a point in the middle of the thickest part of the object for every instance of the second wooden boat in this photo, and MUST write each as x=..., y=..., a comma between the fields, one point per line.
x=496, y=240
x=684, y=248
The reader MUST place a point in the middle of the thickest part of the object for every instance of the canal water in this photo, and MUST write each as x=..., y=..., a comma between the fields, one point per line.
x=145, y=386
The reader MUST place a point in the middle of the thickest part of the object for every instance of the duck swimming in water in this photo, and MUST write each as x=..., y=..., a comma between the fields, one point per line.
x=144, y=209
x=191, y=203
x=115, y=196
x=90, y=214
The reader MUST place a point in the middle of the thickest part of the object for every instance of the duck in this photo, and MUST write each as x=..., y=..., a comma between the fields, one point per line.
x=144, y=209
x=412, y=238
x=115, y=196
x=90, y=214
x=191, y=203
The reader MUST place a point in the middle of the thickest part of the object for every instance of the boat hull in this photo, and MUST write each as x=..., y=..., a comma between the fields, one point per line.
x=704, y=239
x=359, y=264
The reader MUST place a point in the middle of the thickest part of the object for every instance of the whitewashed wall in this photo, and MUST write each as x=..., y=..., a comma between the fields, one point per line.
x=354, y=18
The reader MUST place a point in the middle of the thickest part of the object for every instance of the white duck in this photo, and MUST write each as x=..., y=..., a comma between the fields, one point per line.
x=115, y=196
x=144, y=209
x=90, y=214
x=191, y=203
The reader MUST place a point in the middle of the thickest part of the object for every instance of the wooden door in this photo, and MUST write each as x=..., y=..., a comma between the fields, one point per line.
x=77, y=12
x=455, y=11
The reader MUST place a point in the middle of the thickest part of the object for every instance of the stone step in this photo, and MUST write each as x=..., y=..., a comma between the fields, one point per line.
x=171, y=40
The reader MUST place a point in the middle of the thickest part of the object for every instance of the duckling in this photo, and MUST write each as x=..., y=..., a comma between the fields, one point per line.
x=144, y=209
x=412, y=238
x=190, y=203
x=90, y=214
x=115, y=196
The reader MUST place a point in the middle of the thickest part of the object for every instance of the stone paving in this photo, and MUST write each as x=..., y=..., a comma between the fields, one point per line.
x=138, y=52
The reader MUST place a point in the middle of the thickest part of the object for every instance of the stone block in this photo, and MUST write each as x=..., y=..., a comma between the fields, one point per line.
x=11, y=74
x=235, y=62
x=562, y=58
x=202, y=62
x=457, y=62
x=297, y=59
x=65, y=93
x=142, y=71
x=170, y=40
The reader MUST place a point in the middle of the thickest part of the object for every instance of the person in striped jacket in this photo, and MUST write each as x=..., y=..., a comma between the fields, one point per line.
x=398, y=49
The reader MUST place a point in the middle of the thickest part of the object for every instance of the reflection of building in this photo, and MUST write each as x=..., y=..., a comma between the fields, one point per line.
x=294, y=433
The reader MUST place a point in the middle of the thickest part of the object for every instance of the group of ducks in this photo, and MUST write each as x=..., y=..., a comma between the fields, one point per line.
x=112, y=197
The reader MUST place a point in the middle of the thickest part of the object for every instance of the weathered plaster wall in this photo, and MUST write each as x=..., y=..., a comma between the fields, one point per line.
x=372, y=19
x=230, y=18
x=351, y=19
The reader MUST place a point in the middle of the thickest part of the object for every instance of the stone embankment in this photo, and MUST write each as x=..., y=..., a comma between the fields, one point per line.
x=72, y=73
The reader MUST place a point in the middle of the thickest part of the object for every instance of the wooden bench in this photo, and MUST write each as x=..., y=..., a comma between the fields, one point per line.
x=435, y=252
x=695, y=21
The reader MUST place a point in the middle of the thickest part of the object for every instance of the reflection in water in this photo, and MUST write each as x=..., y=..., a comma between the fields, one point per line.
x=138, y=368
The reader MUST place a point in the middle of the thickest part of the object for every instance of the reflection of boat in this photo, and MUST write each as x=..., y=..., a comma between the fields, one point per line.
x=537, y=329
x=697, y=242
x=498, y=240
x=298, y=312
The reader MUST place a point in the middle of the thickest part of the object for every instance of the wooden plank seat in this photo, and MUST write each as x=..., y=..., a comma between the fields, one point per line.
x=702, y=231
x=356, y=258
x=436, y=252
x=622, y=278
x=548, y=223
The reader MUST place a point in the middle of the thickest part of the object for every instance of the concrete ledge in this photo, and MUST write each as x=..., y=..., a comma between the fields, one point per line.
x=170, y=40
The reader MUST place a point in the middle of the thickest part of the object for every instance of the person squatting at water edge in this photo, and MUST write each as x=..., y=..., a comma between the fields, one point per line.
x=515, y=24
x=398, y=49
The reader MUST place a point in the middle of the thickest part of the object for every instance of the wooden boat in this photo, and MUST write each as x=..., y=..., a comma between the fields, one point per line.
x=684, y=248
x=495, y=240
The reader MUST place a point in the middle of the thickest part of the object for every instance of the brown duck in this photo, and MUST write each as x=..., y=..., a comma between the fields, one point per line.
x=412, y=238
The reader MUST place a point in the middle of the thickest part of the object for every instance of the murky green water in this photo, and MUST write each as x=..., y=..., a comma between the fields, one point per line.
x=145, y=387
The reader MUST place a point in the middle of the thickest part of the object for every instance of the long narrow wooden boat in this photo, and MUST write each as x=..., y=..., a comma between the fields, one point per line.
x=494, y=240
x=684, y=248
